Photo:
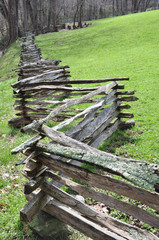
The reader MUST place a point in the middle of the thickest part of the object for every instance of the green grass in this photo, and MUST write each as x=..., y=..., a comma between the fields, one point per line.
x=12, y=198
x=10, y=61
x=124, y=46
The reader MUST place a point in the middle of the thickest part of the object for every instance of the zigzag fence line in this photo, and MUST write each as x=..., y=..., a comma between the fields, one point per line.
x=81, y=118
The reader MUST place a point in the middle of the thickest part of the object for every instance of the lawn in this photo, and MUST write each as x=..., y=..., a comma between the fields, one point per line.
x=123, y=46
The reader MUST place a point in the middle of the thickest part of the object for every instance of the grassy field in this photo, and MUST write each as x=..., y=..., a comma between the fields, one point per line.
x=124, y=46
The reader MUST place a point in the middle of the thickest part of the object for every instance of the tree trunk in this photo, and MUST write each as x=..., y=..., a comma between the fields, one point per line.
x=147, y=4
x=49, y=16
x=26, y=27
x=117, y=7
x=75, y=15
x=126, y=6
x=13, y=20
x=113, y=8
x=32, y=5
x=121, y=5
x=89, y=12
x=4, y=9
x=80, y=14
x=54, y=14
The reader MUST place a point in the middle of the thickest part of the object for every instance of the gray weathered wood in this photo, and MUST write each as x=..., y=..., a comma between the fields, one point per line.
x=140, y=173
x=119, y=187
x=90, y=228
x=37, y=124
x=125, y=93
x=26, y=144
x=127, y=124
x=97, y=216
x=99, y=139
x=126, y=115
x=52, y=87
x=98, y=124
x=74, y=219
x=90, y=110
x=87, y=118
x=110, y=201
x=33, y=184
x=28, y=212
x=47, y=76
x=32, y=168
x=24, y=161
x=128, y=99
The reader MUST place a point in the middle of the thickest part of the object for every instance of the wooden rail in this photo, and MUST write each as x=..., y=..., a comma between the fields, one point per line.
x=34, y=72
x=86, y=116
x=66, y=154
x=44, y=85
x=30, y=52
x=68, y=151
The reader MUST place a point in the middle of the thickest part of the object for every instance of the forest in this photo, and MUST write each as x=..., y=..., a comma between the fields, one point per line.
x=37, y=16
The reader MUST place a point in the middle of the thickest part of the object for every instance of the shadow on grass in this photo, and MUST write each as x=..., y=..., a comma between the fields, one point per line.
x=118, y=140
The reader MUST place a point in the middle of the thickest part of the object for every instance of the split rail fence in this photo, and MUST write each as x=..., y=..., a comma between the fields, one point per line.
x=33, y=71
x=52, y=151
x=81, y=118
x=43, y=85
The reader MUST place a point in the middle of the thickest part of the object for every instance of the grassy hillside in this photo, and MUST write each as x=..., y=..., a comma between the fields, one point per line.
x=124, y=46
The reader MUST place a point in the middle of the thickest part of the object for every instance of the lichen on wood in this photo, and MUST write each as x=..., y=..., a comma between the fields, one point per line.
x=140, y=173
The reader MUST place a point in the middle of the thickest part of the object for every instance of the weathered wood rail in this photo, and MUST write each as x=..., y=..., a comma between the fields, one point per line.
x=82, y=117
x=43, y=85
x=31, y=105
x=30, y=52
x=76, y=145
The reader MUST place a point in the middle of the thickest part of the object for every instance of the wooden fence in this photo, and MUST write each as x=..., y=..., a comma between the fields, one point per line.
x=43, y=85
x=74, y=146
x=32, y=71
x=66, y=152
x=30, y=52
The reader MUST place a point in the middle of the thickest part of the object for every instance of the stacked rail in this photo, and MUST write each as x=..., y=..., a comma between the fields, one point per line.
x=70, y=148
x=81, y=118
x=105, y=109
x=30, y=52
x=32, y=68
x=44, y=85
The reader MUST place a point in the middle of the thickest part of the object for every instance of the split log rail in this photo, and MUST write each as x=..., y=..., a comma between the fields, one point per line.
x=82, y=118
x=73, y=146
x=32, y=67
x=43, y=85
x=30, y=52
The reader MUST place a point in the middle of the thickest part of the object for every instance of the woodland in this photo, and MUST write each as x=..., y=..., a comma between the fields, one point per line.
x=19, y=16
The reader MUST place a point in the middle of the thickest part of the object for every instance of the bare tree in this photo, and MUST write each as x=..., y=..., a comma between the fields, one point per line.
x=32, y=6
x=52, y=15
x=40, y=16
x=126, y=6
x=80, y=13
x=76, y=13
x=4, y=9
x=13, y=19
x=25, y=13
x=147, y=2
x=135, y=5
